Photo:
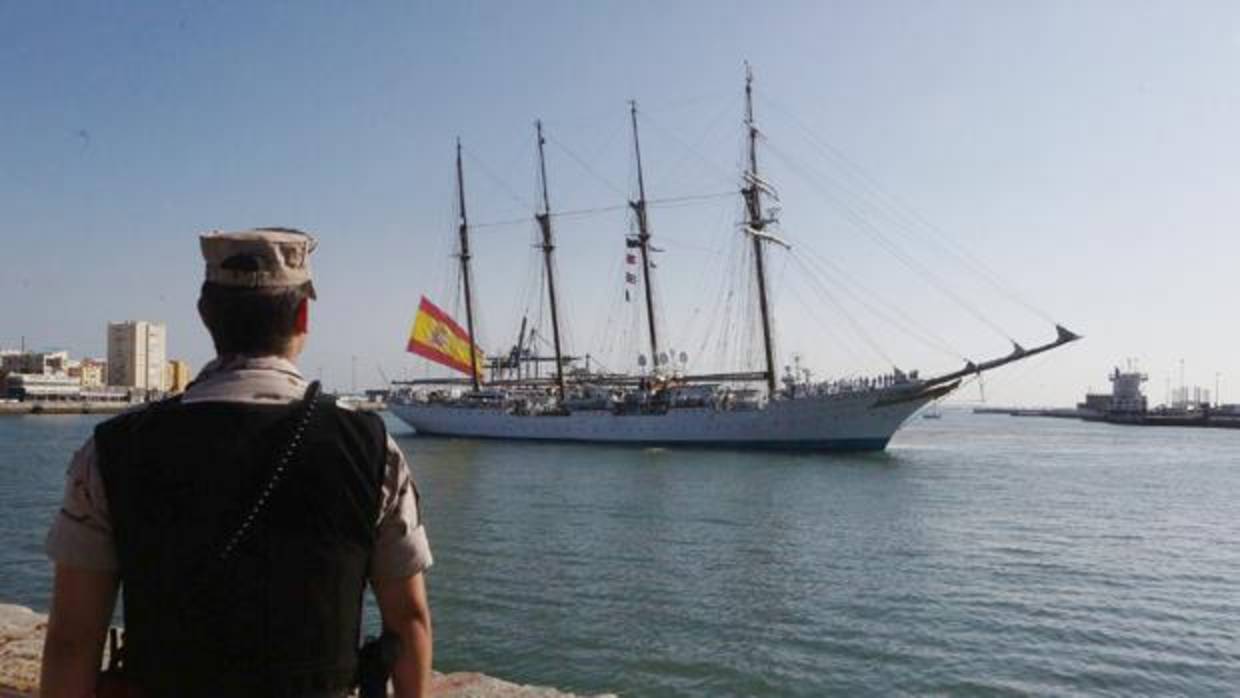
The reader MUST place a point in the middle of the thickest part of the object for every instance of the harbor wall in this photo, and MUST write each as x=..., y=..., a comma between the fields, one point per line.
x=63, y=407
x=78, y=407
x=21, y=649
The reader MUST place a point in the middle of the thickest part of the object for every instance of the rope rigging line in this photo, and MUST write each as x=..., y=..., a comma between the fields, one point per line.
x=705, y=274
x=670, y=202
x=585, y=165
x=609, y=319
x=1017, y=375
x=728, y=173
x=522, y=202
x=937, y=236
x=842, y=279
x=619, y=127
x=720, y=321
x=686, y=102
x=575, y=213
x=540, y=305
x=694, y=150
x=837, y=340
x=530, y=286
x=856, y=325
x=862, y=223
x=579, y=212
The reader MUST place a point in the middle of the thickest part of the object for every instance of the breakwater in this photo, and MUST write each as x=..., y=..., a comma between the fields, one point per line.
x=62, y=407
x=1204, y=418
x=80, y=407
x=21, y=650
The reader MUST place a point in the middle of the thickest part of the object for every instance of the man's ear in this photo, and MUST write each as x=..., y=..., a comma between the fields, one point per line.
x=302, y=325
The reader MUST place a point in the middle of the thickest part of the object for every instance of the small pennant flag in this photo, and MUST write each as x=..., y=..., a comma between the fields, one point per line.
x=630, y=277
x=436, y=336
x=630, y=258
x=632, y=242
x=626, y=296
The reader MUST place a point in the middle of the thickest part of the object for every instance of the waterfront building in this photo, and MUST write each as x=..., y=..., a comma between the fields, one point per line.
x=34, y=362
x=58, y=387
x=39, y=386
x=137, y=352
x=4, y=360
x=91, y=373
x=177, y=376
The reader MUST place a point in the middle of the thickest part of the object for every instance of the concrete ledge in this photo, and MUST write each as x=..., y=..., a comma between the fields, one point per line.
x=21, y=650
x=64, y=407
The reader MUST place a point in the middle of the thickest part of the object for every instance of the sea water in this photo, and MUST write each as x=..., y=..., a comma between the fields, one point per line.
x=979, y=555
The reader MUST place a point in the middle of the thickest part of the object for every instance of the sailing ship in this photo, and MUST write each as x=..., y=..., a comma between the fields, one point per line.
x=663, y=406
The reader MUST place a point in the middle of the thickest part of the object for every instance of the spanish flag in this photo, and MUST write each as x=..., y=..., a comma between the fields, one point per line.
x=436, y=336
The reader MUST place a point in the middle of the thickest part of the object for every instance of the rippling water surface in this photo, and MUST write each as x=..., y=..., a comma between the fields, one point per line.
x=980, y=555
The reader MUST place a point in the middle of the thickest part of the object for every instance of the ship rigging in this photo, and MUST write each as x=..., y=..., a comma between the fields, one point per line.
x=509, y=396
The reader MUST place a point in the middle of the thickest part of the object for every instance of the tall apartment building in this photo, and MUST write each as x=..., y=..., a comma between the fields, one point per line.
x=137, y=353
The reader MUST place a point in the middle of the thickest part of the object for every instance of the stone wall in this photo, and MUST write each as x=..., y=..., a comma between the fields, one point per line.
x=21, y=647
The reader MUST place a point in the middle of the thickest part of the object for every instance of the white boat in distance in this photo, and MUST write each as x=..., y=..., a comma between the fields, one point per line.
x=665, y=407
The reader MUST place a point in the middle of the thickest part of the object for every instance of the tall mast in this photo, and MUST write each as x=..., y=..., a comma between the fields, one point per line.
x=463, y=229
x=544, y=223
x=643, y=238
x=755, y=223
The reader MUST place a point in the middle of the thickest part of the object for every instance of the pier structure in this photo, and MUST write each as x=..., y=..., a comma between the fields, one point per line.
x=1126, y=404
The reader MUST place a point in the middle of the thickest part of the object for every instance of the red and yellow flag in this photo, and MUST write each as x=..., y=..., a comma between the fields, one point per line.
x=436, y=336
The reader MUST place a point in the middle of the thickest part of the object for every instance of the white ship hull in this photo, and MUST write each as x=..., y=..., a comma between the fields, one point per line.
x=850, y=421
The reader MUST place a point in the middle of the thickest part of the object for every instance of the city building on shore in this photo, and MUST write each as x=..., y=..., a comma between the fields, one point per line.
x=40, y=386
x=90, y=373
x=177, y=376
x=136, y=370
x=58, y=387
x=52, y=377
x=38, y=362
x=37, y=375
x=137, y=354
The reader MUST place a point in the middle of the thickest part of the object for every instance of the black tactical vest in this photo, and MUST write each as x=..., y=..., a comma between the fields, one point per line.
x=282, y=616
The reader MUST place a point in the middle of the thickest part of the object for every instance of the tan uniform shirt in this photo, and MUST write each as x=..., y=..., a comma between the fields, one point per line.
x=81, y=534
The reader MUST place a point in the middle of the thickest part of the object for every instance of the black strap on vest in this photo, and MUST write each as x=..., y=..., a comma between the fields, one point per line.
x=309, y=403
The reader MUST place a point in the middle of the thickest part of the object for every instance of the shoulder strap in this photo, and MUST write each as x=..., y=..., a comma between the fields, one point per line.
x=309, y=405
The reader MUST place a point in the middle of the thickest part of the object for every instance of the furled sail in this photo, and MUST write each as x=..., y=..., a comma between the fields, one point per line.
x=436, y=336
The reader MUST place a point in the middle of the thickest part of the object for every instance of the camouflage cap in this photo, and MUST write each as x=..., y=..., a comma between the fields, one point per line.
x=259, y=258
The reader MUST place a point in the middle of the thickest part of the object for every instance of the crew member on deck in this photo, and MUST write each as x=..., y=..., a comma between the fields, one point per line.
x=239, y=580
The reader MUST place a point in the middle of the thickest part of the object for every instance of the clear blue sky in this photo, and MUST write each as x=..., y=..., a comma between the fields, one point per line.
x=1087, y=153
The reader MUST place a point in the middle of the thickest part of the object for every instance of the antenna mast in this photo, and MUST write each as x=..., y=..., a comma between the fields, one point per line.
x=544, y=223
x=643, y=238
x=463, y=229
x=755, y=223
